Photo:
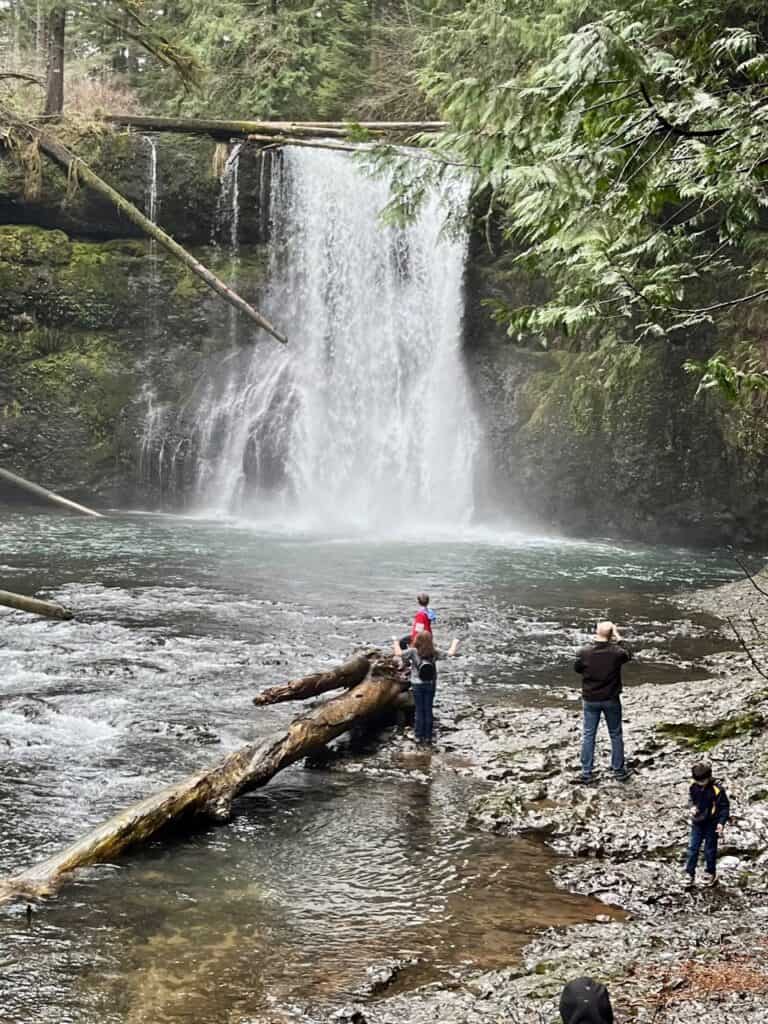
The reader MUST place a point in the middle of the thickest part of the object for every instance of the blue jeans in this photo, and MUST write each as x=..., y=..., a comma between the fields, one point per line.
x=707, y=834
x=593, y=709
x=423, y=698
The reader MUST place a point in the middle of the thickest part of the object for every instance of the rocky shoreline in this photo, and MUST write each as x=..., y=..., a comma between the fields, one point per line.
x=679, y=956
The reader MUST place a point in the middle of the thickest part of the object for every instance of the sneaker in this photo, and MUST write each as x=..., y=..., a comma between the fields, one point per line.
x=709, y=880
x=622, y=776
x=583, y=780
x=687, y=880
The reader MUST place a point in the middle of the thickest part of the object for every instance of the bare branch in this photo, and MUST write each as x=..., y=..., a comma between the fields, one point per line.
x=758, y=668
x=28, y=79
x=683, y=132
x=749, y=576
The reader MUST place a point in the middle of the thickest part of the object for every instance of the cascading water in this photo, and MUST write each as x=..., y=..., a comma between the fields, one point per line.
x=227, y=219
x=151, y=192
x=364, y=419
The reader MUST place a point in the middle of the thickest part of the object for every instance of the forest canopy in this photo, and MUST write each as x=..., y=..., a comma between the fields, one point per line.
x=617, y=148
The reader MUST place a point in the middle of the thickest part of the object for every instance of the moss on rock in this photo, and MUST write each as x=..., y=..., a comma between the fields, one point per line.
x=703, y=737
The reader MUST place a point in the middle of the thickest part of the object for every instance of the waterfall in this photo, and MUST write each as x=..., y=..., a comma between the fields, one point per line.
x=228, y=203
x=364, y=420
x=151, y=193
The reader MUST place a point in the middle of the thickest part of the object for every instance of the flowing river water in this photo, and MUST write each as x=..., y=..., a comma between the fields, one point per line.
x=322, y=873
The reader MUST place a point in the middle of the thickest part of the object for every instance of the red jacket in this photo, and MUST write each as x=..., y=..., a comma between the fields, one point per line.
x=422, y=617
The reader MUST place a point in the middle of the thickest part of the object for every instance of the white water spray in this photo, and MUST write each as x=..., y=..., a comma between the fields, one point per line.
x=228, y=203
x=364, y=420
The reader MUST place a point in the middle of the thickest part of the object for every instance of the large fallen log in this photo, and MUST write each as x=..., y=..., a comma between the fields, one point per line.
x=222, y=129
x=343, y=676
x=210, y=794
x=43, y=492
x=34, y=605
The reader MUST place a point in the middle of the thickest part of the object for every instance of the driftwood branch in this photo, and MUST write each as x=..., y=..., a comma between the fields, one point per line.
x=43, y=492
x=209, y=794
x=343, y=676
x=34, y=605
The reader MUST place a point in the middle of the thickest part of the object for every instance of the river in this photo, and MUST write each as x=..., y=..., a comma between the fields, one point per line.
x=323, y=873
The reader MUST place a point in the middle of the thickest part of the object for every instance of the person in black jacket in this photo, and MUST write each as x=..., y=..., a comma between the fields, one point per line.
x=585, y=1001
x=600, y=667
x=710, y=811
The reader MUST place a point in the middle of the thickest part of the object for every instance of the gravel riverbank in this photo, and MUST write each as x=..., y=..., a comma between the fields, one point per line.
x=679, y=956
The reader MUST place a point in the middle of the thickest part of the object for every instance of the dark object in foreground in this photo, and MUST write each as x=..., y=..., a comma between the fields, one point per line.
x=209, y=794
x=585, y=1001
x=34, y=605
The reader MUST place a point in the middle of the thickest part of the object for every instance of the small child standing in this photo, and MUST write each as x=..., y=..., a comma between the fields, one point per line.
x=710, y=811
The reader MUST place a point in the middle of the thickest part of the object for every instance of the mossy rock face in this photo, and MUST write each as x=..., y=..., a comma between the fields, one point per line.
x=704, y=737
x=30, y=246
x=187, y=188
x=87, y=330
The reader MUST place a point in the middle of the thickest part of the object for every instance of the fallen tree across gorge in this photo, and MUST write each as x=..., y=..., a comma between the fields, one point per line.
x=209, y=794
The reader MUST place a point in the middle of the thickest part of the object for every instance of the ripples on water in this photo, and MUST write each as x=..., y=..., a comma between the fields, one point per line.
x=179, y=622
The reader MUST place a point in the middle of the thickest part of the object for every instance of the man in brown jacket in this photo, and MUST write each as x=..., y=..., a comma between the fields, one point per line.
x=599, y=665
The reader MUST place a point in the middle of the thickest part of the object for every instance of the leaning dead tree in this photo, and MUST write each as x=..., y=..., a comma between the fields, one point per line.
x=42, y=492
x=209, y=794
x=77, y=170
x=33, y=605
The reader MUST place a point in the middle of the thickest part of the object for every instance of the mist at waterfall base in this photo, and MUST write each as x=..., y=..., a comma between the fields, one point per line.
x=364, y=420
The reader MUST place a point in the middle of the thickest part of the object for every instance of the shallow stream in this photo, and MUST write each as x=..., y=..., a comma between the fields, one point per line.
x=322, y=874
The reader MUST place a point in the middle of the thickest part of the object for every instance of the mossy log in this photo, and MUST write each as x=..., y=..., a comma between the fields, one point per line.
x=209, y=794
x=34, y=605
x=230, y=129
x=343, y=676
x=77, y=170
x=43, y=492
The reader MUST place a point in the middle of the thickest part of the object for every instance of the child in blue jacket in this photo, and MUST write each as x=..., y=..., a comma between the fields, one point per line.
x=710, y=811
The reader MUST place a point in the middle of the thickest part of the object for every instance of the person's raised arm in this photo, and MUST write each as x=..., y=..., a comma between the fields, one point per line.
x=396, y=652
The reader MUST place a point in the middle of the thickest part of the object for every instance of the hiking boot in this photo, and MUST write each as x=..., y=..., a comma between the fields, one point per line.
x=622, y=776
x=709, y=880
x=583, y=780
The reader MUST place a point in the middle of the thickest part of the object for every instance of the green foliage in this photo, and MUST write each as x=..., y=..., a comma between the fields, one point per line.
x=623, y=146
x=732, y=382
x=296, y=60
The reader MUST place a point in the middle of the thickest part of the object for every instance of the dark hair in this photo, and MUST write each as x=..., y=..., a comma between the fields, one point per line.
x=423, y=644
x=702, y=772
x=423, y=599
x=585, y=999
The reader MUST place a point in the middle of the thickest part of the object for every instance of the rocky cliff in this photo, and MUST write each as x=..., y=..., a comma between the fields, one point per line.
x=95, y=325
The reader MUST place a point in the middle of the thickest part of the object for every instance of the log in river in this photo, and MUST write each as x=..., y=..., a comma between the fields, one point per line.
x=209, y=794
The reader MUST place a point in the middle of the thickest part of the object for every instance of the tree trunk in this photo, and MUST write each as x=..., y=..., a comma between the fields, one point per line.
x=43, y=492
x=36, y=607
x=210, y=793
x=75, y=167
x=349, y=674
x=54, y=90
x=230, y=129
x=289, y=140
